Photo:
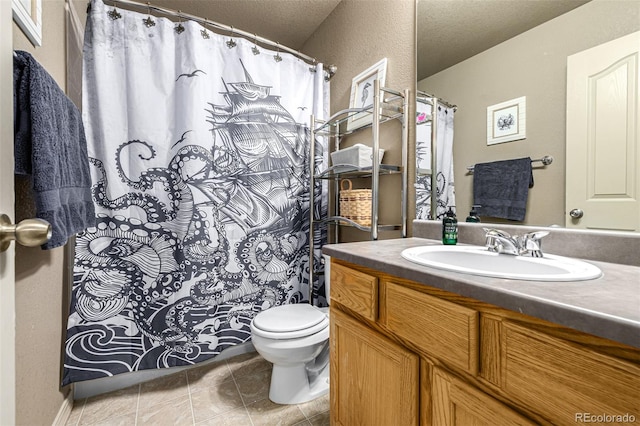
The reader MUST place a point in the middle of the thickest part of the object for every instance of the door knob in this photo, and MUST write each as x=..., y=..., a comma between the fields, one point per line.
x=29, y=232
x=576, y=213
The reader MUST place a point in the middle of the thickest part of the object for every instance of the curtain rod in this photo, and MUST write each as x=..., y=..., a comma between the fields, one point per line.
x=442, y=101
x=330, y=69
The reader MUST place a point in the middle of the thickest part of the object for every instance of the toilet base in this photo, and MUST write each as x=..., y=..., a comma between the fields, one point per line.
x=290, y=384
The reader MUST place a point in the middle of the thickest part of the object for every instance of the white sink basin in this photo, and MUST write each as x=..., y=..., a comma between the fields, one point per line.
x=479, y=261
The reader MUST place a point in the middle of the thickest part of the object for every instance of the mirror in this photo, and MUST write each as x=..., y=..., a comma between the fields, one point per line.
x=533, y=64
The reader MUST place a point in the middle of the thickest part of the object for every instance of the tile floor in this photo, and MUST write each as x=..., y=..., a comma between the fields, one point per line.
x=232, y=392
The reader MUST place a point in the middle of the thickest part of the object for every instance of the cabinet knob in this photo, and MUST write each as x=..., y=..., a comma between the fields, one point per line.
x=29, y=232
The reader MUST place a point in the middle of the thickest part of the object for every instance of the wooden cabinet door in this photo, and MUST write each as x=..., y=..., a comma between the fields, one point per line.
x=456, y=403
x=374, y=381
x=565, y=382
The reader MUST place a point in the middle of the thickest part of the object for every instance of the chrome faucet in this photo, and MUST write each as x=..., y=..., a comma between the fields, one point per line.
x=531, y=244
x=527, y=245
x=501, y=242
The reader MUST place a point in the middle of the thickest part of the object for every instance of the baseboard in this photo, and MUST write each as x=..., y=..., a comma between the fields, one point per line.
x=65, y=411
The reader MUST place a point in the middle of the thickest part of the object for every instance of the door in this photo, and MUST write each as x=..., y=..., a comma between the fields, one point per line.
x=456, y=403
x=7, y=276
x=374, y=381
x=603, y=149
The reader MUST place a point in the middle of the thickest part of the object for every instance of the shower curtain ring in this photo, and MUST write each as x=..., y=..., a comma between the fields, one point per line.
x=148, y=22
x=313, y=68
x=203, y=32
x=231, y=43
x=277, y=56
x=179, y=29
x=330, y=71
x=255, y=49
x=113, y=14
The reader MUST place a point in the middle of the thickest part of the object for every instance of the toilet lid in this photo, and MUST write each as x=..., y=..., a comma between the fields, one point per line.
x=289, y=318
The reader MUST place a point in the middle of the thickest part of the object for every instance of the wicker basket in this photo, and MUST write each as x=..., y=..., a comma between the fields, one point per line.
x=355, y=204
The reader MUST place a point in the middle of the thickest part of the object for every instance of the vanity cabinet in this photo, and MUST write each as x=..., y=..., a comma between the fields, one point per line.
x=456, y=403
x=405, y=353
x=444, y=329
x=563, y=377
x=376, y=380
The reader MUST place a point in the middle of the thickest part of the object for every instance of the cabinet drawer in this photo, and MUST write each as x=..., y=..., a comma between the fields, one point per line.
x=355, y=290
x=438, y=327
x=564, y=381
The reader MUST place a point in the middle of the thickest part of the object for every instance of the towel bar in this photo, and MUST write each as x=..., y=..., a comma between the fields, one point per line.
x=546, y=160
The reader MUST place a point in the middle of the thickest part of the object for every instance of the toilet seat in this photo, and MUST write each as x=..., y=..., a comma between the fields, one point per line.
x=289, y=321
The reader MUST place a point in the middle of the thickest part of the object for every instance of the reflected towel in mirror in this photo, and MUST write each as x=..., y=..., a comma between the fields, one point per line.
x=501, y=188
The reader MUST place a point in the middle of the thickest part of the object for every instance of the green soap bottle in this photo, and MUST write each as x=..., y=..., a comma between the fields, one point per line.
x=449, y=228
x=473, y=215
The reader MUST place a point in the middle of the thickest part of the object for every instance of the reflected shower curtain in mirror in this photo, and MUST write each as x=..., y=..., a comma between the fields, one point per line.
x=445, y=191
x=199, y=147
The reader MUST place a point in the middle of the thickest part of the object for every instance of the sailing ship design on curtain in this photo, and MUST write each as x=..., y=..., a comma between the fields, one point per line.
x=221, y=236
x=265, y=149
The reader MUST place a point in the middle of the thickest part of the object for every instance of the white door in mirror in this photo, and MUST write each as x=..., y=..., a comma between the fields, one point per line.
x=603, y=140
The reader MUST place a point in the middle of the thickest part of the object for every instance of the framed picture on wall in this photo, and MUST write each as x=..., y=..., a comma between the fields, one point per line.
x=506, y=121
x=362, y=93
x=28, y=16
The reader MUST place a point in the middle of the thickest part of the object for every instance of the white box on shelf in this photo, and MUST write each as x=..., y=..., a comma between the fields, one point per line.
x=358, y=155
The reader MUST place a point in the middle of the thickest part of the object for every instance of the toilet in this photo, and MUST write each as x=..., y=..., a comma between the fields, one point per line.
x=295, y=339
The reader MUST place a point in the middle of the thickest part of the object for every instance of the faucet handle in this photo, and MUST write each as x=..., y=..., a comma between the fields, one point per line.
x=490, y=235
x=498, y=241
x=493, y=232
x=532, y=244
x=537, y=235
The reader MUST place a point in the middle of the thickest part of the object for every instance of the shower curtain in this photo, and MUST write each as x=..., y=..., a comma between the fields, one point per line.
x=445, y=191
x=199, y=147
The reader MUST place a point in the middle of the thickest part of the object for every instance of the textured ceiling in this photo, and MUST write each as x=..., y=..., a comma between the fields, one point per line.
x=450, y=31
x=288, y=22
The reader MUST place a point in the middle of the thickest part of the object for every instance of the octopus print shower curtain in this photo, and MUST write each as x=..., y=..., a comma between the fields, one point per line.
x=198, y=145
x=444, y=193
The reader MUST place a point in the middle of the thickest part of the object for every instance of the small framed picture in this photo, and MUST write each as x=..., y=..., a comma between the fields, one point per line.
x=362, y=93
x=506, y=121
x=28, y=16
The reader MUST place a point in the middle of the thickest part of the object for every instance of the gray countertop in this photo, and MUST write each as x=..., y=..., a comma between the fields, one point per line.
x=607, y=307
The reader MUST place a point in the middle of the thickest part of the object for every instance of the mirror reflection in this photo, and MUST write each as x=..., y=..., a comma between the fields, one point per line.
x=533, y=65
x=434, y=156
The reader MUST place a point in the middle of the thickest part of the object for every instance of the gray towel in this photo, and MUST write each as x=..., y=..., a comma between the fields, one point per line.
x=50, y=145
x=501, y=188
